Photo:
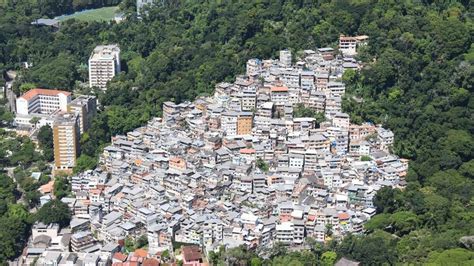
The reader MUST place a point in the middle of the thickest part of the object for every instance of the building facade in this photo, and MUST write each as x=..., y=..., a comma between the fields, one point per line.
x=42, y=101
x=66, y=135
x=86, y=108
x=104, y=64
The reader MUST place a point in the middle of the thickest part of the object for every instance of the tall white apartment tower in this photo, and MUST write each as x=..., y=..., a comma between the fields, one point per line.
x=104, y=64
x=285, y=58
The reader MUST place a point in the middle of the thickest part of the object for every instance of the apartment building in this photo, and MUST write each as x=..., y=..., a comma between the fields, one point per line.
x=244, y=123
x=248, y=101
x=307, y=80
x=86, y=108
x=357, y=132
x=341, y=120
x=42, y=101
x=385, y=137
x=285, y=58
x=279, y=95
x=66, y=135
x=81, y=241
x=284, y=233
x=335, y=89
x=348, y=45
x=253, y=66
x=229, y=123
x=104, y=64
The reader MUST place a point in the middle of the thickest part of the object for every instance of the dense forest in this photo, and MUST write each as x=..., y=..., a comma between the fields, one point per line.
x=417, y=80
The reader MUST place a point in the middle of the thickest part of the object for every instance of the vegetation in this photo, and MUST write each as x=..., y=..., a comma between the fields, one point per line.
x=45, y=140
x=262, y=165
x=54, y=211
x=131, y=244
x=301, y=111
x=417, y=81
x=62, y=187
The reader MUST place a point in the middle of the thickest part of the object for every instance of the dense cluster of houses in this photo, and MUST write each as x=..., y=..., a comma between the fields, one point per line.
x=238, y=168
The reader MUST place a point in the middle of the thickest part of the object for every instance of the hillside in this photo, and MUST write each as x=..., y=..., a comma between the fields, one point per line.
x=418, y=80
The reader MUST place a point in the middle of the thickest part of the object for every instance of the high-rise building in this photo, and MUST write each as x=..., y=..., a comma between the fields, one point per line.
x=42, y=101
x=66, y=135
x=104, y=64
x=86, y=107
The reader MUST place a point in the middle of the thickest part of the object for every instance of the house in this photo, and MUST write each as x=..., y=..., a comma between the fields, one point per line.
x=192, y=256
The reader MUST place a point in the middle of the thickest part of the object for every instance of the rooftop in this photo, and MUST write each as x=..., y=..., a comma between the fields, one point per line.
x=35, y=92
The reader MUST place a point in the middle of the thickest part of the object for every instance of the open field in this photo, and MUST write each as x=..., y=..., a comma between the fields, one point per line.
x=99, y=14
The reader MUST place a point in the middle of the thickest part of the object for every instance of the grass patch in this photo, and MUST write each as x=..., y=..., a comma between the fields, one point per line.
x=99, y=14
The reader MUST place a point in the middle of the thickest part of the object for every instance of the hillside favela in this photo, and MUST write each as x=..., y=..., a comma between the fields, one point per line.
x=184, y=147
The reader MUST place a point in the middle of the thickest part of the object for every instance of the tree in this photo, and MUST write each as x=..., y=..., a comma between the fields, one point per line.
x=387, y=199
x=6, y=117
x=26, y=87
x=7, y=188
x=84, y=162
x=404, y=222
x=34, y=121
x=13, y=237
x=381, y=222
x=45, y=139
x=301, y=111
x=256, y=261
x=141, y=241
x=61, y=187
x=328, y=258
x=262, y=165
x=467, y=169
x=60, y=72
x=375, y=249
x=457, y=256
x=54, y=211
x=328, y=230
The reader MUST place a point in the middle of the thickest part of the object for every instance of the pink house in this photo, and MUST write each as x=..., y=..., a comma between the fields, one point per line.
x=192, y=256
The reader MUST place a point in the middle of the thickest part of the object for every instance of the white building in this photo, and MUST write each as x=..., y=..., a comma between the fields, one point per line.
x=385, y=137
x=253, y=66
x=284, y=232
x=341, y=120
x=335, y=89
x=348, y=45
x=104, y=64
x=42, y=101
x=285, y=58
x=279, y=95
x=229, y=123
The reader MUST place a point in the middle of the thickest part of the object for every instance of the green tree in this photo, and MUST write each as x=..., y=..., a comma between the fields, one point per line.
x=262, y=165
x=328, y=258
x=62, y=187
x=59, y=72
x=84, y=162
x=387, y=199
x=45, y=139
x=457, y=256
x=54, y=211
